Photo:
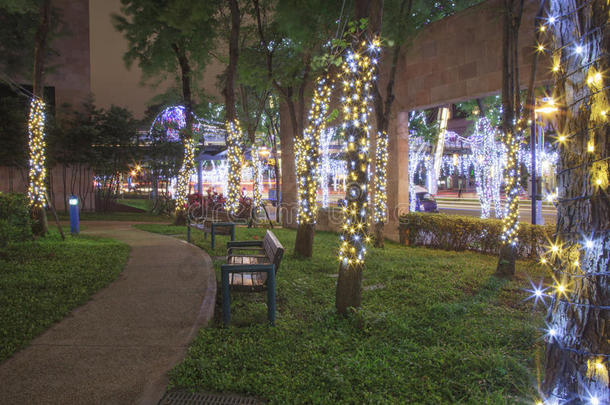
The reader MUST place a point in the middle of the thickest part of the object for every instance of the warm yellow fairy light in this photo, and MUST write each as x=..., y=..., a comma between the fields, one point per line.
x=37, y=146
x=540, y=47
x=234, y=156
x=184, y=175
x=358, y=70
x=591, y=147
x=307, y=152
x=380, y=213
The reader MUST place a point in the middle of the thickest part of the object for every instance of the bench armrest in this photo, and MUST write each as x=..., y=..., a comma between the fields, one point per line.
x=246, y=268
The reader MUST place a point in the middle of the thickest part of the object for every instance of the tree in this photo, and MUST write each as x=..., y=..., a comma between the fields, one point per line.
x=290, y=34
x=234, y=133
x=511, y=133
x=576, y=364
x=290, y=38
x=115, y=140
x=358, y=71
x=168, y=38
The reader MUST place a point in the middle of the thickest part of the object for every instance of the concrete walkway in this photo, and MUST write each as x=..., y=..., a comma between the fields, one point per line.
x=118, y=348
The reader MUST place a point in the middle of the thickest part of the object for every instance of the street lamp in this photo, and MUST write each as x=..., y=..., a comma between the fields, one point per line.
x=547, y=108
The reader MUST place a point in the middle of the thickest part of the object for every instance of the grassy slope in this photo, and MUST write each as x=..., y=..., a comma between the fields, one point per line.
x=41, y=281
x=439, y=328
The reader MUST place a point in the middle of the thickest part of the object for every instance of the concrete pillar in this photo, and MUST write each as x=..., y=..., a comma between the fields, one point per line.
x=398, y=172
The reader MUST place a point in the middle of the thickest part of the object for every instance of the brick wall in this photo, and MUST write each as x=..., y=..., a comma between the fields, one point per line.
x=459, y=58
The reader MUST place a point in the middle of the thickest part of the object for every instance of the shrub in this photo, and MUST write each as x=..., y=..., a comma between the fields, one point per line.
x=452, y=232
x=15, y=222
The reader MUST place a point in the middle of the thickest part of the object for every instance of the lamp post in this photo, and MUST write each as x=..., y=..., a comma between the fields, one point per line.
x=74, y=228
x=548, y=108
x=533, y=170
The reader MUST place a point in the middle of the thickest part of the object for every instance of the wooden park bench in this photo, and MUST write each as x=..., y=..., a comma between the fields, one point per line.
x=218, y=223
x=251, y=267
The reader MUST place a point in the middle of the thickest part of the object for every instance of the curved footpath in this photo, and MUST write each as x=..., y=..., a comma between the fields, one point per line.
x=118, y=348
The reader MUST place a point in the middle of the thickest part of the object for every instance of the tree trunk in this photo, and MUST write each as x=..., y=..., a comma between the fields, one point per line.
x=576, y=364
x=234, y=133
x=303, y=245
x=360, y=72
x=383, y=108
x=308, y=163
x=349, y=288
x=511, y=137
x=37, y=176
x=186, y=135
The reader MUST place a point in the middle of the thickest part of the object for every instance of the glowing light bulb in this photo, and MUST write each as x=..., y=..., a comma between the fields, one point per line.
x=540, y=47
x=543, y=260
x=554, y=248
x=594, y=400
x=562, y=138
x=579, y=49
x=552, y=332
x=552, y=20
x=589, y=244
x=561, y=288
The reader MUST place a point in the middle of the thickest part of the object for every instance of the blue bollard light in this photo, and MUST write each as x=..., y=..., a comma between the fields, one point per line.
x=74, y=214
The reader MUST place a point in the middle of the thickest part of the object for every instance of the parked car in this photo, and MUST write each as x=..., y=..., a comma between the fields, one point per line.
x=424, y=201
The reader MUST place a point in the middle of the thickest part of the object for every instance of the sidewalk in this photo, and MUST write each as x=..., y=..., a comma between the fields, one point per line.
x=118, y=348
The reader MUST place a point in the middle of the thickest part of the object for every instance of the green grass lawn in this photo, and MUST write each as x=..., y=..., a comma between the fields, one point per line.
x=41, y=281
x=435, y=327
x=141, y=203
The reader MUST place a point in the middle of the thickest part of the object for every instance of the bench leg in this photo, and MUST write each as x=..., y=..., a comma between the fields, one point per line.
x=213, y=232
x=188, y=234
x=232, y=233
x=270, y=296
x=226, y=298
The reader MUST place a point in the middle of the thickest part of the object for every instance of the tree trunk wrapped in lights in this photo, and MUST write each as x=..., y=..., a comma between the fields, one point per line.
x=512, y=136
x=307, y=151
x=257, y=182
x=578, y=345
x=358, y=71
x=380, y=209
x=184, y=177
x=38, y=173
x=36, y=126
x=235, y=158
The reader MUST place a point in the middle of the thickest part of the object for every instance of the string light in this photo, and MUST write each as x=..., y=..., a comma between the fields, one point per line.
x=307, y=152
x=358, y=72
x=37, y=175
x=257, y=181
x=577, y=263
x=380, y=213
x=235, y=158
x=184, y=175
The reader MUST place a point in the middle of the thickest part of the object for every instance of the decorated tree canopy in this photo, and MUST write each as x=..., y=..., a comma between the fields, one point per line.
x=172, y=120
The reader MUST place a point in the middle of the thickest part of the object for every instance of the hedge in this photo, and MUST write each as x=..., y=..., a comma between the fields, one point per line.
x=453, y=232
x=15, y=222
